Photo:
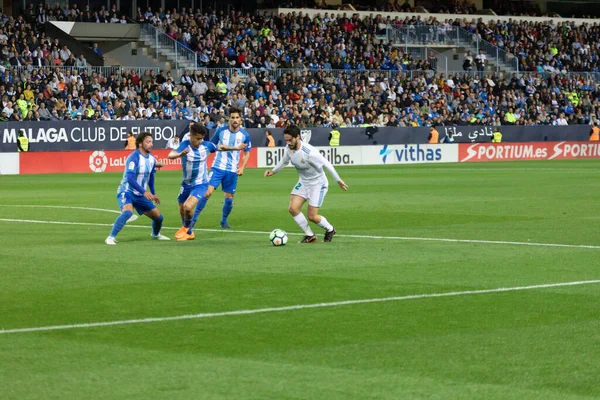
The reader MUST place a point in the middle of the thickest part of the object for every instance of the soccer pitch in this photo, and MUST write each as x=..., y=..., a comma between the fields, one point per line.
x=476, y=281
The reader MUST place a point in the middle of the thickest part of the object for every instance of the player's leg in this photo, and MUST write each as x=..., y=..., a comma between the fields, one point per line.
x=184, y=193
x=218, y=178
x=210, y=191
x=214, y=181
x=181, y=212
x=199, y=193
x=188, y=213
x=182, y=229
x=227, y=207
x=297, y=200
x=148, y=208
x=316, y=196
x=202, y=200
x=126, y=207
x=229, y=187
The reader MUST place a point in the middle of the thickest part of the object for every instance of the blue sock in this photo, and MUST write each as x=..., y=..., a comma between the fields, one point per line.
x=157, y=224
x=187, y=222
x=227, y=207
x=120, y=223
x=199, y=207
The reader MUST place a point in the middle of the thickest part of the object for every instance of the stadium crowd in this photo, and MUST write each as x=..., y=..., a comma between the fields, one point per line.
x=307, y=98
x=545, y=47
x=44, y=11
x=332, y=41
x=333, y=75
x=499, y=7
x=344, y=41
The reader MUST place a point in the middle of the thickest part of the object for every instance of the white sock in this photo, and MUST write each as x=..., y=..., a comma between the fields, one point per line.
x=325, y=224
x=303, y=224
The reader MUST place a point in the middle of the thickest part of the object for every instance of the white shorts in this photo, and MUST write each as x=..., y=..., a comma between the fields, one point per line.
x=315, y=194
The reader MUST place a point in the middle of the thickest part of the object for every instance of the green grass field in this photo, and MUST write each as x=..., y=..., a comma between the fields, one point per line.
x=523, y=343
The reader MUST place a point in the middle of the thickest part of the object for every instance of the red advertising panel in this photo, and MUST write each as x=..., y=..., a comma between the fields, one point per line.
x=95, y=161
x=482, y=152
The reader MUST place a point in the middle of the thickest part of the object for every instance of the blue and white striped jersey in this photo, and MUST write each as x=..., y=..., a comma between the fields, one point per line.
x=142, y=167
x=194, y=162
x=229, y=160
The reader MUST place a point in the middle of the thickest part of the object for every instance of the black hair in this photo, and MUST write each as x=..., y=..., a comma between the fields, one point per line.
x=197, y=129
x=292, y=130
x=235, y=110
x=140, y=138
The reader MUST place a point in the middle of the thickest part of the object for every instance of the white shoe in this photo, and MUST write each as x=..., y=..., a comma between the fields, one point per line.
x=110, y=240
x=160, y=237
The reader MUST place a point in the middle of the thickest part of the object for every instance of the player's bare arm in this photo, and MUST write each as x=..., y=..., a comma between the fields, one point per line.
x=222, y=147
x=175, y=154
x=244, y=162
x=282, y=163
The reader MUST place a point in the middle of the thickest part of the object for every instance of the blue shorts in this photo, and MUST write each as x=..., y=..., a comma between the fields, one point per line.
x=187, y=190
x=226, y=178
x=140, y=203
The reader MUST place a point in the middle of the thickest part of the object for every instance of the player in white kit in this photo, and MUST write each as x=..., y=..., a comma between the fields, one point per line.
x=311, y=187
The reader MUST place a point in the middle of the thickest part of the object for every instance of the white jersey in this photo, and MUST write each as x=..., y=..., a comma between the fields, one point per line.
x=309, y=163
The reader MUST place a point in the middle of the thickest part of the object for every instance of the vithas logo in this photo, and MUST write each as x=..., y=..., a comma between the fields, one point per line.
x=98, y=161
x=409, y=154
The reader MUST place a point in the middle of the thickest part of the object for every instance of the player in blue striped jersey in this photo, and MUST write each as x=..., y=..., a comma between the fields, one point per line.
x=194, y=154
x=140, y=168
x=224, y=170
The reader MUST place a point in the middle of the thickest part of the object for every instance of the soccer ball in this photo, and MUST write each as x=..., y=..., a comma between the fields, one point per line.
x=278, y=237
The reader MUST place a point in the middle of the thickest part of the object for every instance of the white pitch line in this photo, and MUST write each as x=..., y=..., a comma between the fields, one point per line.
x=63, y=207
x=289, y=308
x=499, y=169
x=426, y=239
x=406, y=238
x=131, y=219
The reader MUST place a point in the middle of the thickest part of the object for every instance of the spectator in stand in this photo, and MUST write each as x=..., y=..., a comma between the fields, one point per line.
x=468, y=62
x=96, y=49
x=81, y=61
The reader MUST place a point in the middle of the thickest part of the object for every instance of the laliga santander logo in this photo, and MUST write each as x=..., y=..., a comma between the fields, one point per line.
x=98, y=161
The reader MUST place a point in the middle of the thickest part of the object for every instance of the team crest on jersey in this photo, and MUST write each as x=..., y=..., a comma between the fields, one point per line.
x=305, y=134
x=302, y=160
